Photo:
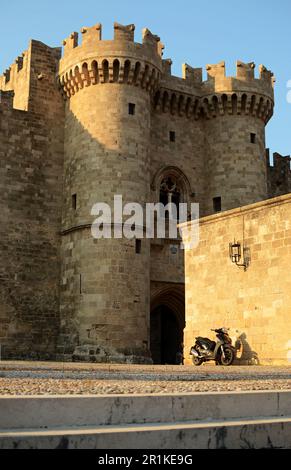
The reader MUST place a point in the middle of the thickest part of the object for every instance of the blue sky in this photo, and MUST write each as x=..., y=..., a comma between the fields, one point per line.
x=196, y=32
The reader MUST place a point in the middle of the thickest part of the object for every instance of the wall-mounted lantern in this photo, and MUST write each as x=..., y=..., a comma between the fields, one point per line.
x=235, y=254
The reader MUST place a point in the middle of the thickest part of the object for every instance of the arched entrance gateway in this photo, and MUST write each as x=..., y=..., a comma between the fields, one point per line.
x=167, y=324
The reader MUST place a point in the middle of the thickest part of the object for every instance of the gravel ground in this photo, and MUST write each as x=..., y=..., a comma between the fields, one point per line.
x=31, y=378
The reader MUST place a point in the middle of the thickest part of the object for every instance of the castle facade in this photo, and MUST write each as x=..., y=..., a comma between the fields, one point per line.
x=105, y=118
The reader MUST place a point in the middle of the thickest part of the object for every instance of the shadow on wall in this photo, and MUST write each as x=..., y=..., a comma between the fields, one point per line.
x=245, y=353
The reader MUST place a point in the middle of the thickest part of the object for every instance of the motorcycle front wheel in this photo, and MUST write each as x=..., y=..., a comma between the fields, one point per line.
x=228, y=357
x=197, y=361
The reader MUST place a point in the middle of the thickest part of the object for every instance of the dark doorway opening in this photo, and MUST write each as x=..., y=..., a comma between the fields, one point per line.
x=166, y=335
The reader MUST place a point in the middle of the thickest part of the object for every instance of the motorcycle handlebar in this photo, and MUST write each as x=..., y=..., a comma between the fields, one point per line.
x=220, y=329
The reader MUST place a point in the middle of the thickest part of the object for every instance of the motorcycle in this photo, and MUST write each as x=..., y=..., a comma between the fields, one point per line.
x=222, y=351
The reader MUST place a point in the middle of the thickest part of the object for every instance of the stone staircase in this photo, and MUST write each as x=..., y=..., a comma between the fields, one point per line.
x=233, y=420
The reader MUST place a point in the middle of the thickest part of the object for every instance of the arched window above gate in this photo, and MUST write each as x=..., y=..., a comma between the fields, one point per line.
x=170, y=185
x=170, y=192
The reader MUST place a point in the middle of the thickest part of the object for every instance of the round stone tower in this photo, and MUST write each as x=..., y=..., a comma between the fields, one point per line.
x=236, y=111
x=108, y=86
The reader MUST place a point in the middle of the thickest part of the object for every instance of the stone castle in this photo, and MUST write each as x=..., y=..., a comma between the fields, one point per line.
x=101, y=118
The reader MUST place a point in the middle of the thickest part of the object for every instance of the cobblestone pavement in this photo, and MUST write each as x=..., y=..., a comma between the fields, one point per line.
x=38, y=378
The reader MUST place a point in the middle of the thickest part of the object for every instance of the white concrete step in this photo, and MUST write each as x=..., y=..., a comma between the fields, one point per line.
x=258, y=433
x=190, y=421
x=41, y=412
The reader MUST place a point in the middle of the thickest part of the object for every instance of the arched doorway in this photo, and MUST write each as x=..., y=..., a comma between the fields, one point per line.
x=167, y=324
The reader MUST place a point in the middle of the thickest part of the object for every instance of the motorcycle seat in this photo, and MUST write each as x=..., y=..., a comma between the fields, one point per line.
x=207, y=341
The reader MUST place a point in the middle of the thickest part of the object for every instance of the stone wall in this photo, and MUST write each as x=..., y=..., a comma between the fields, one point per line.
x=235, y=167
x=29, y=236
x=31, y=162
x=256, y=301
x=279, y=174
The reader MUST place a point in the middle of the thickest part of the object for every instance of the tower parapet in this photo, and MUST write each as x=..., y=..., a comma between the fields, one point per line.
x=242, y=94
x=219, y=94
x=120, y=60
x=16, y=78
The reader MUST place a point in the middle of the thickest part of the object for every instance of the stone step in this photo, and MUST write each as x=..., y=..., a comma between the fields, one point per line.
x=258, y=433
x=39, y=412
x=198, y=420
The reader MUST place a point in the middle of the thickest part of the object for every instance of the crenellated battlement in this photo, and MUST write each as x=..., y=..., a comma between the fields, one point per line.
x=89, y=60
x=71, y=42
x=281, y=163
x=216, y=70
x=7, y=79
x=243, y=81
x=92, y=34
x=17, y=79
x=219, y=94
x=279, y=174
x=245, y=71
x=121, y=60
x=123, y=34
x=153, y=41
x=191, y=75
x=37, y=64
x=218, y=81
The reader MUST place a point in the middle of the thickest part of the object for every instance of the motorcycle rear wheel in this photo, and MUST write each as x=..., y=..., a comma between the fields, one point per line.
x=228, y=358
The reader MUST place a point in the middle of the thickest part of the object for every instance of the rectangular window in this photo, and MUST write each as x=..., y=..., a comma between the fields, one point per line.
x=217, y=204
x=138, y=247
x=74, y=202
x=131, y=109
x=172, y=136
x=253, y=138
